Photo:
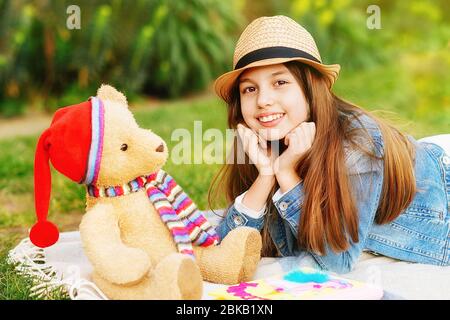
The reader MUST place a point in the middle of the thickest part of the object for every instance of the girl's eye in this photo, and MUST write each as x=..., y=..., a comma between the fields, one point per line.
x=281, y=82
x=248, y=89
x=124, y=147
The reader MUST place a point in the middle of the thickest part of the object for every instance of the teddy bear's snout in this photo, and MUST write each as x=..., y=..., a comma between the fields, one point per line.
x=160, y=148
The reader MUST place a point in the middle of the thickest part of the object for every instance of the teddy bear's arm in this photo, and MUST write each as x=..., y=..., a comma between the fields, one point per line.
x=110, y=257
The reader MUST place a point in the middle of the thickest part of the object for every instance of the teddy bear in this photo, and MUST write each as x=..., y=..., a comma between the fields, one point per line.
x=143, y=235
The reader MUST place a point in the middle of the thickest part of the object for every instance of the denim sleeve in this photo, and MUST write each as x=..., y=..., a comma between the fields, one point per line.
x=366, y=186
x=289, y=206
x=234, y=219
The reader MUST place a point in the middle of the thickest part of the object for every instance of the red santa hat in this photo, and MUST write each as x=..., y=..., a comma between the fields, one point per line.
x=73, y=144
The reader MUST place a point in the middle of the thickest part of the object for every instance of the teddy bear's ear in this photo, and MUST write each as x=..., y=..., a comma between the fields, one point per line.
x=106, y=92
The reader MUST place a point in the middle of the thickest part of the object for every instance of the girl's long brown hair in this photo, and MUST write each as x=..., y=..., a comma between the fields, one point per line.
x=329, y=214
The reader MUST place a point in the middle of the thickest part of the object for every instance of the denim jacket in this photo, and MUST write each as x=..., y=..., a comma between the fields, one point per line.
x=419, y=234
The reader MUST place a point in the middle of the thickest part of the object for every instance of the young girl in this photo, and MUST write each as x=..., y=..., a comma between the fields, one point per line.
x=324, y=179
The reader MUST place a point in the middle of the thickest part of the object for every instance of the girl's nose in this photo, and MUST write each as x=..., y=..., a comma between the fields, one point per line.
x=265, y=98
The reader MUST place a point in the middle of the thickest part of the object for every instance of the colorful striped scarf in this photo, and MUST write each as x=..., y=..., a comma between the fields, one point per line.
x=180, y=214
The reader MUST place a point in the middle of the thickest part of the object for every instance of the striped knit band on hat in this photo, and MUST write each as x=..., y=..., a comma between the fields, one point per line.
x=95, y=153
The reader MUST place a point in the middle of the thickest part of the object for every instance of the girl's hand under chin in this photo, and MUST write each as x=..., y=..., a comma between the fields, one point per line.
x=256, y=149
x=299, y=140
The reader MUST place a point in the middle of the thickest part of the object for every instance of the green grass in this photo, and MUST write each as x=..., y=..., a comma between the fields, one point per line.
x=18, y=287
x=419, y=111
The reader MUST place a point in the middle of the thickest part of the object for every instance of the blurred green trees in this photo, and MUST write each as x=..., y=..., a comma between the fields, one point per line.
x=403, y=67
x=162, y=47
x=340, y=29
x=170, y=47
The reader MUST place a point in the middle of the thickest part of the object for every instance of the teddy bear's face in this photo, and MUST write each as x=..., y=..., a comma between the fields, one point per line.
x=128, y=150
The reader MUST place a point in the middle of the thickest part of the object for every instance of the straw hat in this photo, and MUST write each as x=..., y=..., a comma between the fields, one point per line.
x=273, y=40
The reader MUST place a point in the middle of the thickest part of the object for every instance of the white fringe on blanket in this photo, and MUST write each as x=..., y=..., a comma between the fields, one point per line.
x=49, y=277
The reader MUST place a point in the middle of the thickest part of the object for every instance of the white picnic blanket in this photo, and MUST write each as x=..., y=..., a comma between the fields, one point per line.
x=65, y=264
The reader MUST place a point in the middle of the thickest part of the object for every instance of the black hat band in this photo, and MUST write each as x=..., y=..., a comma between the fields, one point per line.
x=273, y=52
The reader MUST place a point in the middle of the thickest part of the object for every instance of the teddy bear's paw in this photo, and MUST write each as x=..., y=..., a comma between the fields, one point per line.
x=178, y=277
x=245, y=244
x=252, y=255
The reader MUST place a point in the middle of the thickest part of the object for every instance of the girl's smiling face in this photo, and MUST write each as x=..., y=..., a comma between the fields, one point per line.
x=272, y=101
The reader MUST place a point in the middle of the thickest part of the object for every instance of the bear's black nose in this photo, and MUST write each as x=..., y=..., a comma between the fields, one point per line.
x=160, y=148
